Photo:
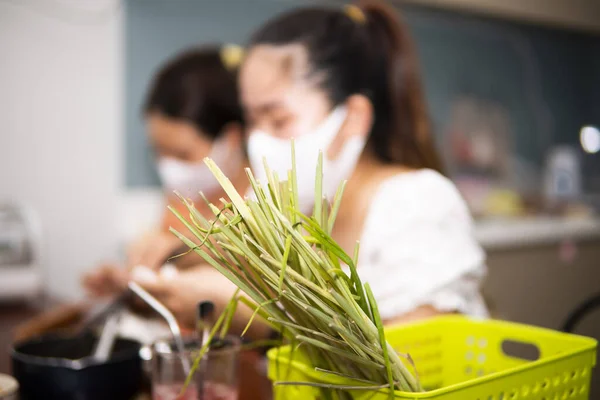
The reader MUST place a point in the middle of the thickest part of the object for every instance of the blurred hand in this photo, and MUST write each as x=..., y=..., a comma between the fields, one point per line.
x=181, y=292
x=107, y=280
x=150, y=251
x=153, y=250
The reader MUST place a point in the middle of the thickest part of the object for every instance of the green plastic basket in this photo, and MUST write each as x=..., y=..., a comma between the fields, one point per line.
x=459, y=358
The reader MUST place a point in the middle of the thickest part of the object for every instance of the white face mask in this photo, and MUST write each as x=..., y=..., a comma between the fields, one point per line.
x=190, y=179
x=278, y=154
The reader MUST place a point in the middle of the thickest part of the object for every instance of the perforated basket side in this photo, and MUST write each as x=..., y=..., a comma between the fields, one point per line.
x=463, y=359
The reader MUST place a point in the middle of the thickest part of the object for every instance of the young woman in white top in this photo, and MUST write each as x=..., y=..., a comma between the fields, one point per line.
x=345, y=81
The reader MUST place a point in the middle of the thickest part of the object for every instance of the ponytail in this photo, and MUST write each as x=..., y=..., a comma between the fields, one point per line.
x=364, y=49
x=408, y=138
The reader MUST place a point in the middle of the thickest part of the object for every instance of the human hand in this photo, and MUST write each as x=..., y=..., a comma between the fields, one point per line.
x=153, y=250
x=107, y=280
x=181, y=291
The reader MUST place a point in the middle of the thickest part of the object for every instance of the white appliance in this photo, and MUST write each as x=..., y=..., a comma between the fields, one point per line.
x=20, y=270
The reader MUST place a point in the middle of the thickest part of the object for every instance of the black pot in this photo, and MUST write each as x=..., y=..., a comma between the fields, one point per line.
x=55, y=367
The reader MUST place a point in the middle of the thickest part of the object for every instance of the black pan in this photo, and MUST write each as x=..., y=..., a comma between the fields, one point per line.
x=59, y=367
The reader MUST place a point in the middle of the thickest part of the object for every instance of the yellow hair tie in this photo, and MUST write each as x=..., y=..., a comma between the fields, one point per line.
x=231, y=56
x=355, y=13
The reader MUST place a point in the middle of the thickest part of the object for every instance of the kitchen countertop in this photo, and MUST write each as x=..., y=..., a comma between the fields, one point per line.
x=495, y=234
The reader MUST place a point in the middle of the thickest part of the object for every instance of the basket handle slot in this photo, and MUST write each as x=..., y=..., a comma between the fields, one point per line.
x=521, y=350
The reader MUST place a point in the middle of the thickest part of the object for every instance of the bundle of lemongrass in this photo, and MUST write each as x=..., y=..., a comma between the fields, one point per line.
x=291, y=270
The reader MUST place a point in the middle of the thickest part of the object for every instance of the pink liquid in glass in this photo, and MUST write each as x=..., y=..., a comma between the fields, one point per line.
x=212, y=391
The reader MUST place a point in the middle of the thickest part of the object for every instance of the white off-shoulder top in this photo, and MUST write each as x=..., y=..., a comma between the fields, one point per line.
x=418, y=247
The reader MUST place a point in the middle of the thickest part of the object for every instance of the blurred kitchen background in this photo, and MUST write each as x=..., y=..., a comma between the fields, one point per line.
x=514, y=94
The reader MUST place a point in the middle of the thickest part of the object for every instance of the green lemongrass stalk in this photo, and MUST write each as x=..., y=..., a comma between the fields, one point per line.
x=386, y=357
x=337, y=201
x=325, y=371
x=229, y=314
x=334, y=386
x=206, y=346
x=257, y=344
x=290, y=269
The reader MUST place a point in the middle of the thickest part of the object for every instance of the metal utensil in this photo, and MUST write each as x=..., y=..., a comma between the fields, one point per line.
x=167, y=315
x=109, y=333
x=117, y=304
x=107, y=338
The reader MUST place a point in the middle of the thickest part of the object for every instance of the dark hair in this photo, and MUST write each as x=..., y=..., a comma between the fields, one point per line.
x=198, y=88
x=372, y=54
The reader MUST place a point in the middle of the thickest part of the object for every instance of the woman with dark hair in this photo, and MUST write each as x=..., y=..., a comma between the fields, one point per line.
x=192, y=111
x=345, y=82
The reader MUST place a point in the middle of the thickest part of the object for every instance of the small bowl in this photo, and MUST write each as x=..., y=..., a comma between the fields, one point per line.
x=9, y=387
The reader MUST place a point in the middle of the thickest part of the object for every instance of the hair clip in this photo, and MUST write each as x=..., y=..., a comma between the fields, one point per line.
x=355, y=13
x=231, y=56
